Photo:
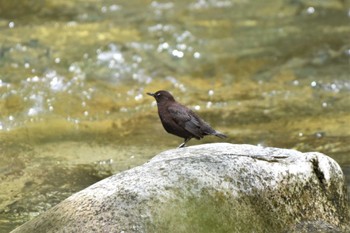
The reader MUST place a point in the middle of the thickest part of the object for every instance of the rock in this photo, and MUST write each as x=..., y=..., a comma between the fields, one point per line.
x=217, y=187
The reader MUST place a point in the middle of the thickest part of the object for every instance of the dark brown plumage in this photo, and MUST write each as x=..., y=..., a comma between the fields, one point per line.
x=181, y=121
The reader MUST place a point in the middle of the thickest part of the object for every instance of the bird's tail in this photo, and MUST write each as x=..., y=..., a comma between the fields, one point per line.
x=220, y=135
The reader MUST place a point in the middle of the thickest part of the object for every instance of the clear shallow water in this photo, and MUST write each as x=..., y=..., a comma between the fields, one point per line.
x=73, y=78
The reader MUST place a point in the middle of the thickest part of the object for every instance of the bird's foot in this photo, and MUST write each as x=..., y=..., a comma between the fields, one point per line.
x=184, y=143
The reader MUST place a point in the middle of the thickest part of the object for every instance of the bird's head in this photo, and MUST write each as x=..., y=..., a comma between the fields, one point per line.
x=162, y=96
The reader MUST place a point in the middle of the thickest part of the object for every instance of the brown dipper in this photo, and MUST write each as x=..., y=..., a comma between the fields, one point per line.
x=181, y=121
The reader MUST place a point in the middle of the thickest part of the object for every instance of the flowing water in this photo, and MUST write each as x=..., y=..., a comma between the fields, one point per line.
x=74, y=77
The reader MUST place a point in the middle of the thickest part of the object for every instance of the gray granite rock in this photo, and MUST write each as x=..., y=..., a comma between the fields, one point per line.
x=208, y=188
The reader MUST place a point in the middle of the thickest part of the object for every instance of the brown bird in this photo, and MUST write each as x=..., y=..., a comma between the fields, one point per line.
x=181, y=121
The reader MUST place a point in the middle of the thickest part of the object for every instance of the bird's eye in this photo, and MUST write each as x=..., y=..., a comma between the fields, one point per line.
x=158, y=94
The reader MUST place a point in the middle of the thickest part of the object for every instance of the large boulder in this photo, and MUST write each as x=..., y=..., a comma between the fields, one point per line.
x=209, y=188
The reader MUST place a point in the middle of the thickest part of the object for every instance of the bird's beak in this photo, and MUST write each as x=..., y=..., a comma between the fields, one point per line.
x=151, y=94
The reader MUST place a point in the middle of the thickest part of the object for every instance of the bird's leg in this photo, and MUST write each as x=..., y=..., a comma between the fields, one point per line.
x=184, y=143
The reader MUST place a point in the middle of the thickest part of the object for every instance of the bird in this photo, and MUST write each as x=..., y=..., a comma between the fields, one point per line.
x=181, y=121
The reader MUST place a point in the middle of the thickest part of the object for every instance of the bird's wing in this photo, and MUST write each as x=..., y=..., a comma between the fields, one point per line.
x=186, y=119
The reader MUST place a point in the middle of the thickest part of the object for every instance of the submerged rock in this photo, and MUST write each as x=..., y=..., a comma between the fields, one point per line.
x=208, y=188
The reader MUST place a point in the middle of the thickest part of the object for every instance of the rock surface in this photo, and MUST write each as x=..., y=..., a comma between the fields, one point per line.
x=217, y=187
